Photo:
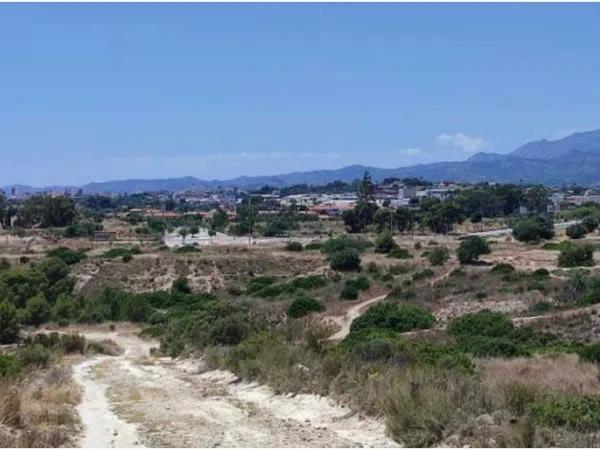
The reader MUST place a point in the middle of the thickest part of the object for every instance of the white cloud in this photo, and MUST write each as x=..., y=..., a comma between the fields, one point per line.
x=412, y=151
x=462, y=142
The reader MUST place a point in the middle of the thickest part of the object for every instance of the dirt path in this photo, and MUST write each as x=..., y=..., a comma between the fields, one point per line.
x=346, y=320
x=134, y=399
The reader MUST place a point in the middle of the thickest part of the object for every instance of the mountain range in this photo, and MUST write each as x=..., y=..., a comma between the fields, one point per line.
x=573, y=159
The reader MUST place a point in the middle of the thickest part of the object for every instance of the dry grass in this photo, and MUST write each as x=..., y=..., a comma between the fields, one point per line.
x=40, y=410
x=561, y=373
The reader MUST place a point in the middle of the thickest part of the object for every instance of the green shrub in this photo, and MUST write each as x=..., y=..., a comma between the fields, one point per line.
x=576, y=256
x=294, y=246
x=503, y=269
x=580, y=413
x=34, y=355
x=181, y=284
x=576, y=231
x=384, y=243
x=4, y=264
x=126, y=258
x=533, y=229
x=303, y=306
x=541, y=273
x=471, y=248
x=399, y=253
x=119, y=252
x=65, y=308
x=9, y=323
x=555, y=246
x=422, y=274
x=344, y=242
x=438, y=256
x=68, y=255
x=393, y=316
x=361, y=283
x=10, y=366
x=484, y=323
x=590, y=223
x=345, y=260
x=309, y=282
x=349, y=292
x=313, y=246
x=187, y=249
x=258, y=283
x=37, y=310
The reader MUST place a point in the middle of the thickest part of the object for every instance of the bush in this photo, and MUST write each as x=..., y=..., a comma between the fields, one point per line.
x=484, y=323
x=257, y=284
x=303, y=306
x=347, y=259
x=399, y=253
x=37, y=310
x=294, y=246
x=349, y=292
x=65, y=308
x=187, y=249
x=34, y=355
x=393, y=316
x=576, y=256
x=580, y=413
x=384, y=243
x=503, y=269
x=126, y=258
x=335, y=245
x=4, y=264
x=471, y=248
x=9, y=366
x=9, y=323
x=533, y=229
x=181, y=285
x=422, y=274
x=309, y=282
x=67, y=255
x=590, y=223
x=576, y=231
x=121, y=251
x=361, y=283
x=438, y=256
x=313, y=246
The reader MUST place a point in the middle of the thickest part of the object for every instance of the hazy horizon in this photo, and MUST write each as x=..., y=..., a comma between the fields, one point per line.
x=97, y=92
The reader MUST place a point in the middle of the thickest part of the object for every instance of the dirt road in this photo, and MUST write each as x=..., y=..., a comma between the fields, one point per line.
x=137, y=400
x=346, y=320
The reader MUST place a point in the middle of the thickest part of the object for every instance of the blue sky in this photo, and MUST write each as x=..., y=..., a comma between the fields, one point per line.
x=90, y=92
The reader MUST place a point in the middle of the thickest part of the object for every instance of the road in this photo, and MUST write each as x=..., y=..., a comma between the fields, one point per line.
x=502, y=231
x=136, y=400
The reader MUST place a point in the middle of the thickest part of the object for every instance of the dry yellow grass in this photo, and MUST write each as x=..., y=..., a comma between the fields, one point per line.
x=562, y=373
x=39, y=411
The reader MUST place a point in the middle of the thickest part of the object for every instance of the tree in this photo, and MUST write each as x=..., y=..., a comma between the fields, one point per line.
x=247, y=216
x=3, y=209
x=9, y=323
x=46, y=211
x=535, y=199
x=357, y=219
x=533, y=229
x=590, y=222
x=385, y=243
x=573, y=255
x=471, y=248
x=576, y=231
x=438, y=256
x=440, y=217
x=183, y=232
x=347, y=259
x=220, y=220
x=194, y=230
x=37, y=310
x=404, y=219
x=181, y=285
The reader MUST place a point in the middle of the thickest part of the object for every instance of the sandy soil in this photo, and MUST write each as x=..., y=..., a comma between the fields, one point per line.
x=135, y=399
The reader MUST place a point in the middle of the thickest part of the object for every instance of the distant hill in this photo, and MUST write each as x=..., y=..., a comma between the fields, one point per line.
x=573, y=159
x=585, y=142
